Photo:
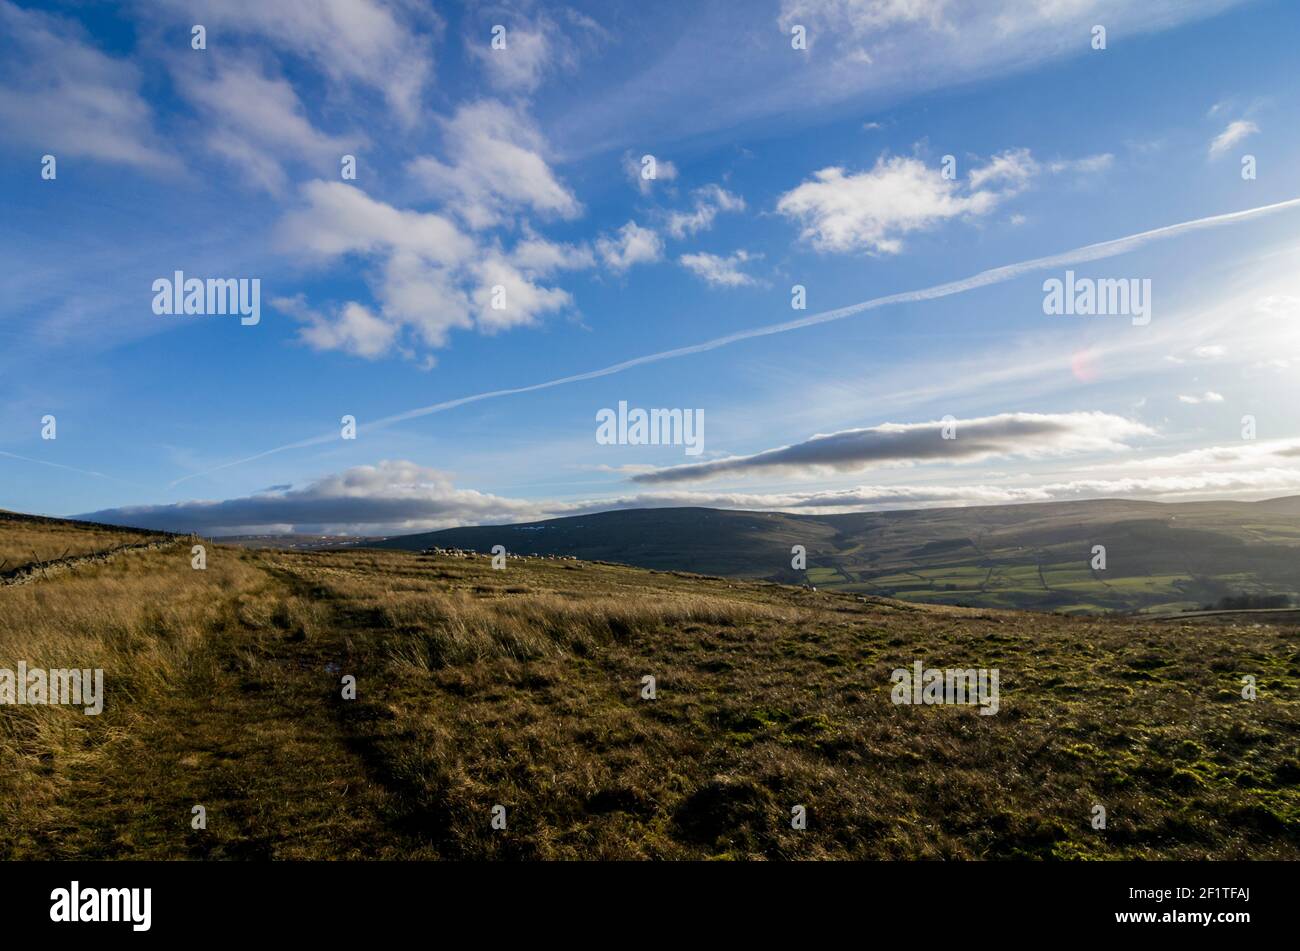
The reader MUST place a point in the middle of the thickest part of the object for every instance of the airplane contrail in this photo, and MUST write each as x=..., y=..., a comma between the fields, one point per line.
x=997, y=275
x=59, y=465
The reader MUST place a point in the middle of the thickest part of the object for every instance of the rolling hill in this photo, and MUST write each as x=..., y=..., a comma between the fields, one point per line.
x=521, y=693
x=1159, y=556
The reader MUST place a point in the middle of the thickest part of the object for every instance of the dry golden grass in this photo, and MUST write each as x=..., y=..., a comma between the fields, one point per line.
x=523, y=687
x=27, y=540
x=139, y=619
x=449, y=630
x=205, y=704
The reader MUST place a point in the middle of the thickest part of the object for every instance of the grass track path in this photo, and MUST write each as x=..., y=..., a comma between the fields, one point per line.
x=253, y=735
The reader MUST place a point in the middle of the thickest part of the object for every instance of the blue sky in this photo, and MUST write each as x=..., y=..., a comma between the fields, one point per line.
x=520, y=168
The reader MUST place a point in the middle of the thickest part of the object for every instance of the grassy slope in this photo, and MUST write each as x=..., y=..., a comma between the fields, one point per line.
x=31, y=539
x=1160, y=556
x=521, y=687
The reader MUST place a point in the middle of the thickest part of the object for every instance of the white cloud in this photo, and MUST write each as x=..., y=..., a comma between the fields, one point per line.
x=1208, y=397
x=523, y=301
x=353, y=329
x=1235, y=132
x=1209, y=351
x=1013, y=169
x=540, y=257
x=1249, y=454
x=1028, y=435
x=1284, y=304
x=393, y=497
x=431, y=278
x=1252, y=483
x=631, y=245
x=379, y=45
x=528, y=53
x=339, y=219
x=940, y=39
x=863, y=17
x=1260, y=482
x=256, y=120
x=60, y=94
x=496, y=168
x=1088, y=165
x=700, y=85
x=664, y=171
x=709, y=200
x=431, y=299
x=873, y=210
x=534, y=47
x=719, y=271
x=399, y=496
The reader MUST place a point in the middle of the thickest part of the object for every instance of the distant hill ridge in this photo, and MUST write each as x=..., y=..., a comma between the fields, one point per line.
x=1160, y=556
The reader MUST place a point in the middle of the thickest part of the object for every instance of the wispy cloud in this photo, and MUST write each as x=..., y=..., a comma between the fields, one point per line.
x=382, y=47
x=1012, y=169
x=257, y=122
x=717, y=270
x=1236, y=131
x=637, y=171
x=1088, y=165
x=1247, y=454
x=709, y=201
x=495, y=168
x=518, y=52
x=61, y=94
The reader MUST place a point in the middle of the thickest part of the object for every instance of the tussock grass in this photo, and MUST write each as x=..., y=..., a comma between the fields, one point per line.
x=437, y=630
x=523, y=688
